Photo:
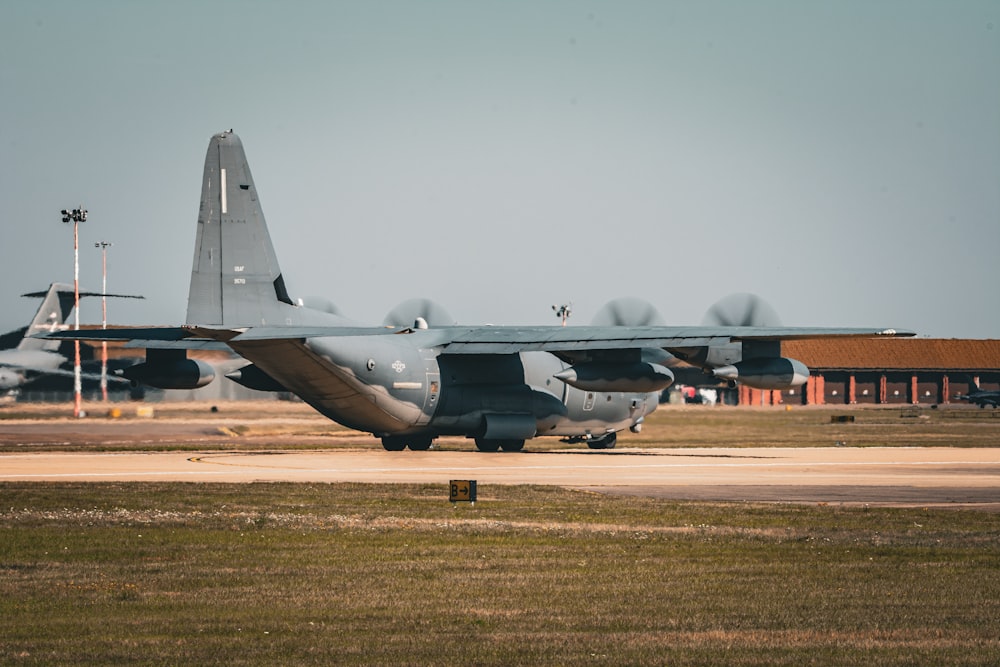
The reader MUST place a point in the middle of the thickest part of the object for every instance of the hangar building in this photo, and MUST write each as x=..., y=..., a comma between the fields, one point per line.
x=885, y=371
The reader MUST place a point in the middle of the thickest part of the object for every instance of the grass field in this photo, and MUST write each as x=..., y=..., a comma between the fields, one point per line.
x=261, y=574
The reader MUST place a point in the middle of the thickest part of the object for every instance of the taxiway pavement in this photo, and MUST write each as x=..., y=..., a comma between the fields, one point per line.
x=923, y=476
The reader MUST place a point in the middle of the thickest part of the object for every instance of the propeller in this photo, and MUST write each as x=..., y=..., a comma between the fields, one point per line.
x=407, y=313
x=628, y=312
x=741, y=310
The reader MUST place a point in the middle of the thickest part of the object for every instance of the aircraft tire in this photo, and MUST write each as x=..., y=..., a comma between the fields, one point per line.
x=512, y=445
x=485, y=445
x=393, y=444
x=420, y=444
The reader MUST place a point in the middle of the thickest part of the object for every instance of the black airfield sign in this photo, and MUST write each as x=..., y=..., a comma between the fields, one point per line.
x=462, y=491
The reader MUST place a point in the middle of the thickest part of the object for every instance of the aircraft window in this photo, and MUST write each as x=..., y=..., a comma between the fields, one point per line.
x=244, y=187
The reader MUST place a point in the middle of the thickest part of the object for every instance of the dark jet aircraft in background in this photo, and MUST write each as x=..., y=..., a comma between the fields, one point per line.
x=980, y=397
x=36, y=357
x=410, y=384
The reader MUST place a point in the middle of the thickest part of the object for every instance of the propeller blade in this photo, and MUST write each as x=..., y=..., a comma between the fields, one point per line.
x=741, y=310
x=405, y=314
x=628, y=312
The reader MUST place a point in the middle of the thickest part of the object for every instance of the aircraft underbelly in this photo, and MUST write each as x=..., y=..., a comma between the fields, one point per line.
x=600, y=412
x=331, y=389
x=481, y=388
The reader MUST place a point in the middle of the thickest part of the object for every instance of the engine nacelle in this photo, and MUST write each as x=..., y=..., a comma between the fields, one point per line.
x=765, y=373
x=252, y=377
x=175, y=374
x=639, y=377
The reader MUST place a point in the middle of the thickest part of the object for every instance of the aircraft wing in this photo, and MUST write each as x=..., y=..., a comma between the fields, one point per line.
x=484, y=339
x=507, y=340
x=510, y=340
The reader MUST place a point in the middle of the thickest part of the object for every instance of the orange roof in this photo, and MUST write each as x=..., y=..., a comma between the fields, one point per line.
x=895, y=353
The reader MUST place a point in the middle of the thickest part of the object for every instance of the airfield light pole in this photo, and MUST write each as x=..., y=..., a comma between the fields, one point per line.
x=76, y=216
x=104, y=245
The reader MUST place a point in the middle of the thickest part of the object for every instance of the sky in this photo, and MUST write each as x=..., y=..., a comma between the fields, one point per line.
x=839, y=159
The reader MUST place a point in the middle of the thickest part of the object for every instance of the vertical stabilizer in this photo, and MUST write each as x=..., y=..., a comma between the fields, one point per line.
x=57, y=305
x=235, y=279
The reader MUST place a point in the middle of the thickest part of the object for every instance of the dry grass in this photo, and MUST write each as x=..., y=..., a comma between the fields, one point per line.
x=366, y=574
x=363, y=574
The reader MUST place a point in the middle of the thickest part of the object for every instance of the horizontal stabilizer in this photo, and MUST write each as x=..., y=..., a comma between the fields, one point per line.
x=125, y=333
x=38, y=295
x=58, y=302
x=187, y=344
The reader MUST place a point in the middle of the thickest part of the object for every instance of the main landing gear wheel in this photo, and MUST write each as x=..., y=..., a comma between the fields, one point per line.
x=420, y=444
x=607, y=442
x=485, y=445
x=397, y=443
x=512, y=445
x=392, y=444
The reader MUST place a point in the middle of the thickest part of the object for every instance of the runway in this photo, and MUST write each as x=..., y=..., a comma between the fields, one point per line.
x=924, y=476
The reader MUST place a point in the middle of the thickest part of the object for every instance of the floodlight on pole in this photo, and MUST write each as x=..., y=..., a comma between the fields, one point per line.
x=104, y=245
x=76, y=216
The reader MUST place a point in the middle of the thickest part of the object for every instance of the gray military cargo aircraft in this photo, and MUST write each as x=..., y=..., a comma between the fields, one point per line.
x=410, y=384
x=34, y=357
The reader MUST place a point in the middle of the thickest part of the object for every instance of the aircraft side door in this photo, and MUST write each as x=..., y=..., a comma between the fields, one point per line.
x=432, y=386
x=431, y=397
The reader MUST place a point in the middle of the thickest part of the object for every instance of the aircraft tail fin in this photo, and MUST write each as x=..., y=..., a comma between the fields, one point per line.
x=235, y=277
x=56, y=307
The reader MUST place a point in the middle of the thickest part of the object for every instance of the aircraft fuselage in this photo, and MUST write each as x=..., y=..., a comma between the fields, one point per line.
x=402, y=385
